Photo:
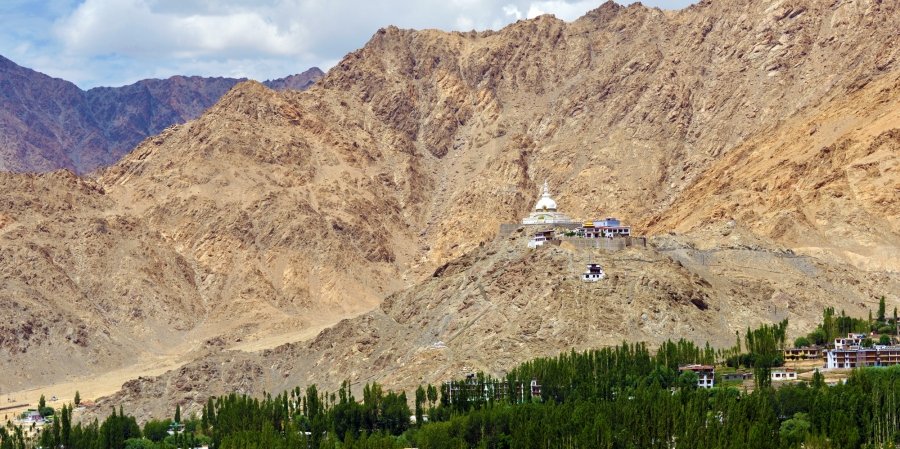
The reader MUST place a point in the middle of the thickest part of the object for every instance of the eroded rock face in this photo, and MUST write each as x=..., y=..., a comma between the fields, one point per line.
x=273, y=212
x=503, y=303
x=51, y=124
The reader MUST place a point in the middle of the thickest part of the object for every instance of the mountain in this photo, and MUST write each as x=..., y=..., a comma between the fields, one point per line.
x=48, y=124
x=753, y=142
x=299, y=81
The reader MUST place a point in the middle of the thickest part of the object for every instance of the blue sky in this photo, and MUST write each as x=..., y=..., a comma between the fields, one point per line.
x=116, y=42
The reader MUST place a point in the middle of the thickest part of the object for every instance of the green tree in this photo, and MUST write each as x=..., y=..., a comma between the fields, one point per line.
x=77, y=399
x=688, y=380
x=139, y=443
x=884, y=340
x=794, y=431
x=42, y=402
x=156, y=430
x=881, y=309
x=66, y=426
x=177, y=413
x=801, y=342
x=432, y=391
x=818, y=380
x=829, y=324
x=420, y=399
x=818, y=336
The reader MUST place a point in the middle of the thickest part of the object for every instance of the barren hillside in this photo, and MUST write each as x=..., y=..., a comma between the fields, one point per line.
x=503, y=303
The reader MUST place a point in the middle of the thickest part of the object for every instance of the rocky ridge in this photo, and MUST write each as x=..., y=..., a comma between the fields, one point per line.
x=50, y=124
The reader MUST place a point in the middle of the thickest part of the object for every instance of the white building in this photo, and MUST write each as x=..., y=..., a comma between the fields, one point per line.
x=858, y=357
x=706, y=374
x=545, y=212
x=781, y=374
x=852, y=341
x=32, y=417
x=593, y=273
x=608, y=227
x=540, y=238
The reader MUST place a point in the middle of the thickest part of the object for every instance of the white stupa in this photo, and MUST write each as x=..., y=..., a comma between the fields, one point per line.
x=545, y=212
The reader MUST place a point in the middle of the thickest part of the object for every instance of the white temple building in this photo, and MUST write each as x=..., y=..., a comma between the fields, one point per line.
x=545, y=212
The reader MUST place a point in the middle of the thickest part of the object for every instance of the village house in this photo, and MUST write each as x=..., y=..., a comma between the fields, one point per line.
x=31, y=417
x=737, y=376
x=804, y=353
x=782, y=374
x=474, y=389
x=706, y=374
x=541, y=238
x=608, y=227
x=852, y=340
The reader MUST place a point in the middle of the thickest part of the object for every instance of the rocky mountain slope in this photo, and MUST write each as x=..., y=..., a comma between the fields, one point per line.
x=48, y=123
x=296, y=209
x=824, y=182
x=503, y=303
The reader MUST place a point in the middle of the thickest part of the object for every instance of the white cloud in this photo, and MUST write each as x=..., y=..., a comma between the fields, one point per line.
x=110, y=42
x=561, y=9
x=464, y=23
x=512, y=11
x=132, y=27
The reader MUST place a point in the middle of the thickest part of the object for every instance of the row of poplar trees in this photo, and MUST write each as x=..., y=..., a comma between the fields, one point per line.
x=618, y=397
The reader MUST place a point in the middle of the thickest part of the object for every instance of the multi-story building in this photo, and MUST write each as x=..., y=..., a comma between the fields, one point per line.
x=851, y=341
x=849, y=353
x=706, y=374
x=804, y=353
x=858, y=357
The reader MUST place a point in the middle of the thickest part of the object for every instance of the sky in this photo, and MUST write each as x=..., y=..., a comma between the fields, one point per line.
x=117, y=42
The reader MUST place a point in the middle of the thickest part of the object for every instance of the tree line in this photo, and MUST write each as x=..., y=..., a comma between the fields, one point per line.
x=617, y=397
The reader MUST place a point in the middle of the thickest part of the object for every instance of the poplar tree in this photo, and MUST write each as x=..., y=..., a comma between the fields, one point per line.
x=420, y=399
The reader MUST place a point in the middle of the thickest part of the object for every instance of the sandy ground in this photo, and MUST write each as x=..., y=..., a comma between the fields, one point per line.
x=93, y=387
x=275, y=341
x=88, y=387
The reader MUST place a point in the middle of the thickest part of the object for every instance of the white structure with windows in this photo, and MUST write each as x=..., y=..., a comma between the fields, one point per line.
x=706, y=374
x=779, y=375
x=593, y=273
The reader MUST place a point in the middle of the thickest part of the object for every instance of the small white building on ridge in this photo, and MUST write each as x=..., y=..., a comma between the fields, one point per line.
x=593, y=273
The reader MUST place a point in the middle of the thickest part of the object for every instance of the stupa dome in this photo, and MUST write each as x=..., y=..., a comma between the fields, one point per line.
x=545, y=212
x=545, y=203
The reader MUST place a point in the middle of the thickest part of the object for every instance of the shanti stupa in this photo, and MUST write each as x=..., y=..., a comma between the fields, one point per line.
x=545, y=212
